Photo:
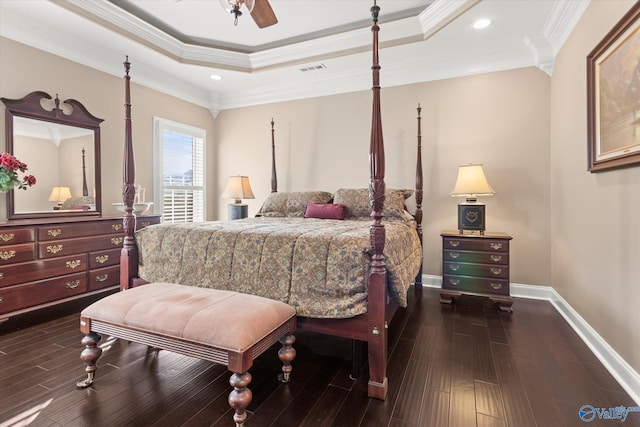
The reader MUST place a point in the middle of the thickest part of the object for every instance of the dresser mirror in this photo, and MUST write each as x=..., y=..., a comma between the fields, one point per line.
x=60, y=143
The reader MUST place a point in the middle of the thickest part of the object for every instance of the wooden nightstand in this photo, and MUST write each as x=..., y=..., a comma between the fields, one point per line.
x=476, y=264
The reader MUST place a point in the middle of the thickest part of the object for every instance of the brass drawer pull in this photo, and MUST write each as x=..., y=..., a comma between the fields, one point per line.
x=454, y=267
x=116, y=227
x=73, y=285
x=496, y=258
x=496, y=271
x=101, y=259
x=496, y=246
x=54, y=249
x=116, y=240
x=54, y=232
x=454, y=282
x=1, y=275
x=496, y=286
x=454, y=243
x=7, y=237
x=144, y=224
x=1, y=300
x=102, y=277
x=7, y=255
x=73, y=264
x=454, y=255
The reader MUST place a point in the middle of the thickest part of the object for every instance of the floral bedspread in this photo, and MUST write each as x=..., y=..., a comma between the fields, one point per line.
x=318, y=266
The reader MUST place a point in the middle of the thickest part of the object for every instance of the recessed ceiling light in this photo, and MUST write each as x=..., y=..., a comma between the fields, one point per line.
x=481, y=23
x=216, y=77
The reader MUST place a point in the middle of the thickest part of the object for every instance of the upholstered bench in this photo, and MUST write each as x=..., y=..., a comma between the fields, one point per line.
x=224, y=327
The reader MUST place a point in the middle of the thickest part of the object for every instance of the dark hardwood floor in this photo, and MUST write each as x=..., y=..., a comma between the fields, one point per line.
x=460, y=365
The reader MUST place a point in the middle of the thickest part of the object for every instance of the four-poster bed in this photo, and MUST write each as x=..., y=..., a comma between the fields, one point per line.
x=353, y=305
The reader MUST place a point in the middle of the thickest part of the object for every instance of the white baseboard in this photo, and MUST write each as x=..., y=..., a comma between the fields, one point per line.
x=626, y=376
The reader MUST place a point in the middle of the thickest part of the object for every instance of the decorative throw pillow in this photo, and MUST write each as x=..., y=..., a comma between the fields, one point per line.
x=292, y=204
x=356, y=201
x=325, y=211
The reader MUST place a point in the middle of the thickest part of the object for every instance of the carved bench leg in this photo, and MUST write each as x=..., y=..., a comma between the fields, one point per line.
x=90, y=355
x=240, y=397
x=286, y=354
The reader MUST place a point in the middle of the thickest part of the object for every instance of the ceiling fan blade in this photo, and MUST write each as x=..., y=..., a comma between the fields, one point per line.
x=262, y=14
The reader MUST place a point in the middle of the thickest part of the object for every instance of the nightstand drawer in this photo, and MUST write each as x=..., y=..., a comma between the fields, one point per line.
x=478, y=270
x=488, y=245
x=476, y=257
x=476, y=285
x=476, y=264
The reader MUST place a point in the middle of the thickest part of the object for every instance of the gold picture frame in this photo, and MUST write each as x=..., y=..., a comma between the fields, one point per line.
x=613, y=96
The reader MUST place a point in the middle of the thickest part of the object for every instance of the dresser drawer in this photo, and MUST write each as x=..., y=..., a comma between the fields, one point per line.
x=17, y=253
x=476, y=257
x=31, y=294
x=478, y=270
x=102, y=259
x=104, y=277
x=19, y=235
x=488, y=245
x=476, y=285
x=68, y=231
x=142, y=222
x=41, y=269
x=81, y=244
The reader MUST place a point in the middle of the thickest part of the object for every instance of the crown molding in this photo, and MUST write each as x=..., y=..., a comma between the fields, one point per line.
x=563, y=18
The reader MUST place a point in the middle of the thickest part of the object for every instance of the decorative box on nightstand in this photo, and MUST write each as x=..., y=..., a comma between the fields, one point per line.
x=476, y=264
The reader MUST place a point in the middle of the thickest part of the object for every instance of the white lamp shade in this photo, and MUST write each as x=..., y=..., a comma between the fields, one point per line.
x=59, y=194
x=238, y=188
x=472, y=182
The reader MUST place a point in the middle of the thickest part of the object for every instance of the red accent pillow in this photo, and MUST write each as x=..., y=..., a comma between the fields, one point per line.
x=325, y=211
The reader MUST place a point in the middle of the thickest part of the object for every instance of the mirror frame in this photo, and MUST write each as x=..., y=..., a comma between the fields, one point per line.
x=31, y=107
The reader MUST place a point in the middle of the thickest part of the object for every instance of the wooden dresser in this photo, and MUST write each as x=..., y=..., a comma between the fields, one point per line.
x=476, y=264
x=45, y=262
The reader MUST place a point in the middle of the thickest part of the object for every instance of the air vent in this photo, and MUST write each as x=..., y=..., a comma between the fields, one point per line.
x=313, y=67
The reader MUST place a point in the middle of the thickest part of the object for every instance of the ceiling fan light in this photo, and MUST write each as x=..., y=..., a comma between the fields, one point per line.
x=231, y=5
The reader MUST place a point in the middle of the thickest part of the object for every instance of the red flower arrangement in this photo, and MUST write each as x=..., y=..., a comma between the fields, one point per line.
x=9, y=167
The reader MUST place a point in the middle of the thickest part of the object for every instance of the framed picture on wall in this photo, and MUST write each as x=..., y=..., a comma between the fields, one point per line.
x=613, y=96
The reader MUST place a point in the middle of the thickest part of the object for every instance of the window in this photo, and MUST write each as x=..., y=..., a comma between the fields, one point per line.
x=179, y=171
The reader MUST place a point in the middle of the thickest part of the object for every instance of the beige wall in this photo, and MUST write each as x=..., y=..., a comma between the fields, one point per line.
x=595, y=217
x=498, y=119
x=24, y=70
x=573, y=230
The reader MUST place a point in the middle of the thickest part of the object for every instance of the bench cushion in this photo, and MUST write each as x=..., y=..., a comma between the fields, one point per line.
x=224, y=319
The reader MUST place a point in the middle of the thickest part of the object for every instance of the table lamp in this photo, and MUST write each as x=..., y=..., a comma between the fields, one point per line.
x=59, y=194
x=238, y=188
x=471, y=183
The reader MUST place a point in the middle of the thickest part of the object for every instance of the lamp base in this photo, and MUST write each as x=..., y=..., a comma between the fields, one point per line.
x=471, y=217
x=237, y=211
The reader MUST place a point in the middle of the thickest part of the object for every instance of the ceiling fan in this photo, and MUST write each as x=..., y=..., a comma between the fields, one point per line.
x=260, y=11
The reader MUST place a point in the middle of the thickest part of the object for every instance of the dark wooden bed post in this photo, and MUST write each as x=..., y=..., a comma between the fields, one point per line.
x=85, y=190
x=377, y=327
x=274, y=177
x=418, y=214
x=129, y=253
